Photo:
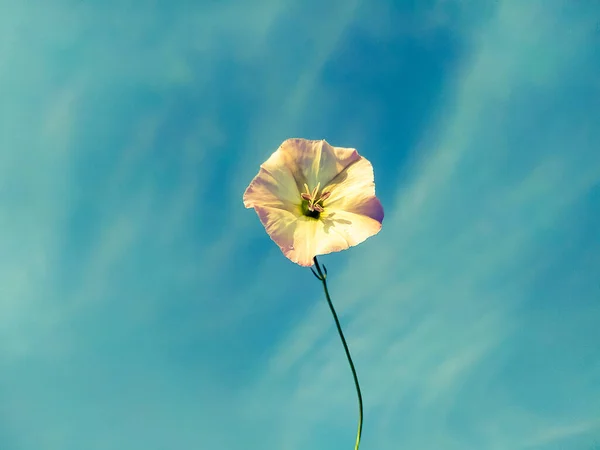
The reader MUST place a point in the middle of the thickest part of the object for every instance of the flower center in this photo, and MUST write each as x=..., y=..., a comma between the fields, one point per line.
x=312, y=204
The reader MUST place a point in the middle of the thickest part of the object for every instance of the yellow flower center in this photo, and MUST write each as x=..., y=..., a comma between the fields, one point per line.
x=312, y=203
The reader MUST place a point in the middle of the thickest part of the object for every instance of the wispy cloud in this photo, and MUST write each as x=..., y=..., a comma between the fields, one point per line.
x=449, y=291
x=142, y=306
x=117, y=241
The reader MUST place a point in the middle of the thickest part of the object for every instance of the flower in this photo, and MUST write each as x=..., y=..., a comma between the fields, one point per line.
x=313, y=199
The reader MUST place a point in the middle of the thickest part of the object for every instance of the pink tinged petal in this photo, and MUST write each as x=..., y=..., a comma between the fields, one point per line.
x=295, y=236
x=353, y=191
x=317, y=161
x=311, y=239
x=334, y=160
x=332, y=234
x=274, y=186
x=300, y=238
x=305, y=242
x=279, y=225
x=353, y=228
x=352, y=212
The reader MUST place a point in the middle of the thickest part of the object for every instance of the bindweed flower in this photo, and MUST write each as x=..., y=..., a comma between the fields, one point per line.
x=313, y=199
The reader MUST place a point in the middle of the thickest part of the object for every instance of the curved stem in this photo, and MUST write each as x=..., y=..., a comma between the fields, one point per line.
x=322, y=276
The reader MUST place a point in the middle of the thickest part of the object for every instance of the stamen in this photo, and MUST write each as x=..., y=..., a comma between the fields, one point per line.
x=306, y=189
x=316, y=190
x=312, y=201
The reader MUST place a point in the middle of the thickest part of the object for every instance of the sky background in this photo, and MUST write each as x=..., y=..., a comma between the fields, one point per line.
x=143, y=308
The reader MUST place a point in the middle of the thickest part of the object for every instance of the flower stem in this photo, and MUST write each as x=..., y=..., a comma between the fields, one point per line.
x=321, y=274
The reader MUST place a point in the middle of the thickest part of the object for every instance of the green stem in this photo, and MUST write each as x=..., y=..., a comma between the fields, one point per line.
x=322, y=275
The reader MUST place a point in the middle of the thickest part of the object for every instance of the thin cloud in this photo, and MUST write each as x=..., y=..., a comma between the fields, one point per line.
x=463, y=248
x=133, y=306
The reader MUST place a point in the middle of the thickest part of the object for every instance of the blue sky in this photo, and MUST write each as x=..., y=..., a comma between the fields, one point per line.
x=142, y=307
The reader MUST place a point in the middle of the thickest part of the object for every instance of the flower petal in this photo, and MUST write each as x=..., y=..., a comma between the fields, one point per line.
x=351, y=213
x=351, y=227
x=300, y=238
x=353, y=191
x=311, y=239
x=317, y=161
x=279, y=224
x=274, y=186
